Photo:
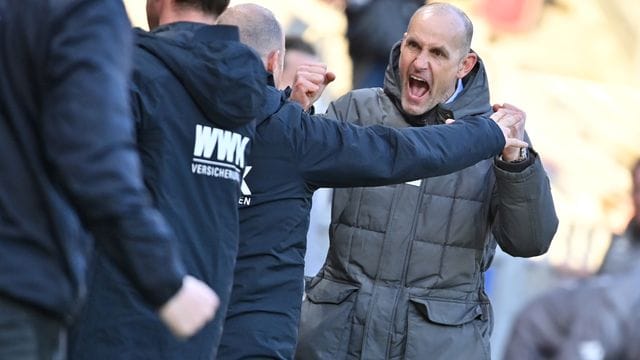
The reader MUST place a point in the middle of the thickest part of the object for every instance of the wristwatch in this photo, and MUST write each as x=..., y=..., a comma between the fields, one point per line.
x=524, y=155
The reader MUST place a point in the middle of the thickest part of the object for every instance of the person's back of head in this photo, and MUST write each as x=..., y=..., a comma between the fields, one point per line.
x=160, y=12
x=261, y=31
x=214, y=7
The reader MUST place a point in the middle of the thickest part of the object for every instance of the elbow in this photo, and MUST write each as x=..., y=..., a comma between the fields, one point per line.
x=532, y=250
x=538, y=243
x=540, y=248
x=549, y=231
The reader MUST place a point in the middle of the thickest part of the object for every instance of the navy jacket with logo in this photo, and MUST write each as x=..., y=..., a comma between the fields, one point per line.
x=68, y=161
x=195, y=93
x=293, y=154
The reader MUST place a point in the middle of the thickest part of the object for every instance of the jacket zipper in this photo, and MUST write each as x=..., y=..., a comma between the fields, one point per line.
x=398, y=192
x=405, y=266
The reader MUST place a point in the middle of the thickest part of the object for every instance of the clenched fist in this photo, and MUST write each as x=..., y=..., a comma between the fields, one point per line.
x=190, y=308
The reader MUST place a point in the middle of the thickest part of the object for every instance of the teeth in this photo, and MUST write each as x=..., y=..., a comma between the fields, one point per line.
x=418, y=79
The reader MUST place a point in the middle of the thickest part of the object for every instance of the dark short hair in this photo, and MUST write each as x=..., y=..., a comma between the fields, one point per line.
x=215, y=7
x=299, y=44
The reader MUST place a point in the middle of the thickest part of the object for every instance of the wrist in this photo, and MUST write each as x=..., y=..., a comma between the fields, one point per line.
x=523, y=155
x=516, y=166
x=520, y=155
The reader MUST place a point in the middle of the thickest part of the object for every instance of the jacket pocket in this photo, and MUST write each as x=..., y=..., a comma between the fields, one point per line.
x=330, y=292
x=438, y=329
x=325, y=323
x=447, y=313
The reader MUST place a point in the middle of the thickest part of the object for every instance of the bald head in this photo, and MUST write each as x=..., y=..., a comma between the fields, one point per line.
x=434, y=55
x=258, y=27
x=460, y=22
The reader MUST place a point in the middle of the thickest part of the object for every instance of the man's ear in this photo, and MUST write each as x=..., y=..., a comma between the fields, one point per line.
x=273, y=61
x=466, y=64
x=274, y=65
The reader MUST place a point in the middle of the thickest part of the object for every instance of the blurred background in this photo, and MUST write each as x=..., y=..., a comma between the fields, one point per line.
x=574, y=67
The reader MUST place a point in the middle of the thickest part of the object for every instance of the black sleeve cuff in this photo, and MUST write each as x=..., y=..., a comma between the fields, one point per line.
x=516, y=166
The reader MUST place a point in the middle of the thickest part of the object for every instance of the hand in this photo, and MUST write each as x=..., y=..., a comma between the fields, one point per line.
x=512, y=121
x=190, y=308
x=310, y=81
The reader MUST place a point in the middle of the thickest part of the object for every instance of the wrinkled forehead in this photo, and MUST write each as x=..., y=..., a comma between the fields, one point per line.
x=438, y=28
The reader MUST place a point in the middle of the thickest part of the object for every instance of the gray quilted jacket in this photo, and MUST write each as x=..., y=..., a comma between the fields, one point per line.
x=405, y=271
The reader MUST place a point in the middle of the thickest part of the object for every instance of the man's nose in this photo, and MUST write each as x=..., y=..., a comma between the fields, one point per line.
x=422, y=61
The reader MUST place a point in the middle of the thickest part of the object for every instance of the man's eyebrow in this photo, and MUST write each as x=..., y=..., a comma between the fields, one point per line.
x=440, y=48
x=411, y=38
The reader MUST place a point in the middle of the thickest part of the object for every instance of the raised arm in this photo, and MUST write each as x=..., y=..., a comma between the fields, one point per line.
x=525, y=220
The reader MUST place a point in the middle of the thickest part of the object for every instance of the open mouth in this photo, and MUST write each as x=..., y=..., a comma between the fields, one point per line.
x=418, y=87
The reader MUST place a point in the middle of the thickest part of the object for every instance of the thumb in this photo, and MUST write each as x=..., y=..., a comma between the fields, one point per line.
x=329, y=77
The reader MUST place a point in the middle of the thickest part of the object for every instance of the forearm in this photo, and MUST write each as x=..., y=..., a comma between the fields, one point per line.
x=379, y=155
x=526, y=217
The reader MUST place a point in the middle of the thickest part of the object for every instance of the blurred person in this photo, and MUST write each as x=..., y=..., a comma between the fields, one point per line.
x=586, y=319
x=404, y=276
x=295, y=153
x=624, y=250
x=373, y=27
x=195, y=93
x=69, y=169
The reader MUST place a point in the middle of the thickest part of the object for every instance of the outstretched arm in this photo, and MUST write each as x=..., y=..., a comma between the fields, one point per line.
x=334, y=153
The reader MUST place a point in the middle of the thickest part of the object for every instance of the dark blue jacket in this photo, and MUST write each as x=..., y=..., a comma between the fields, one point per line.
x=195, y=93
x=293, y=154
x=68, y=159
